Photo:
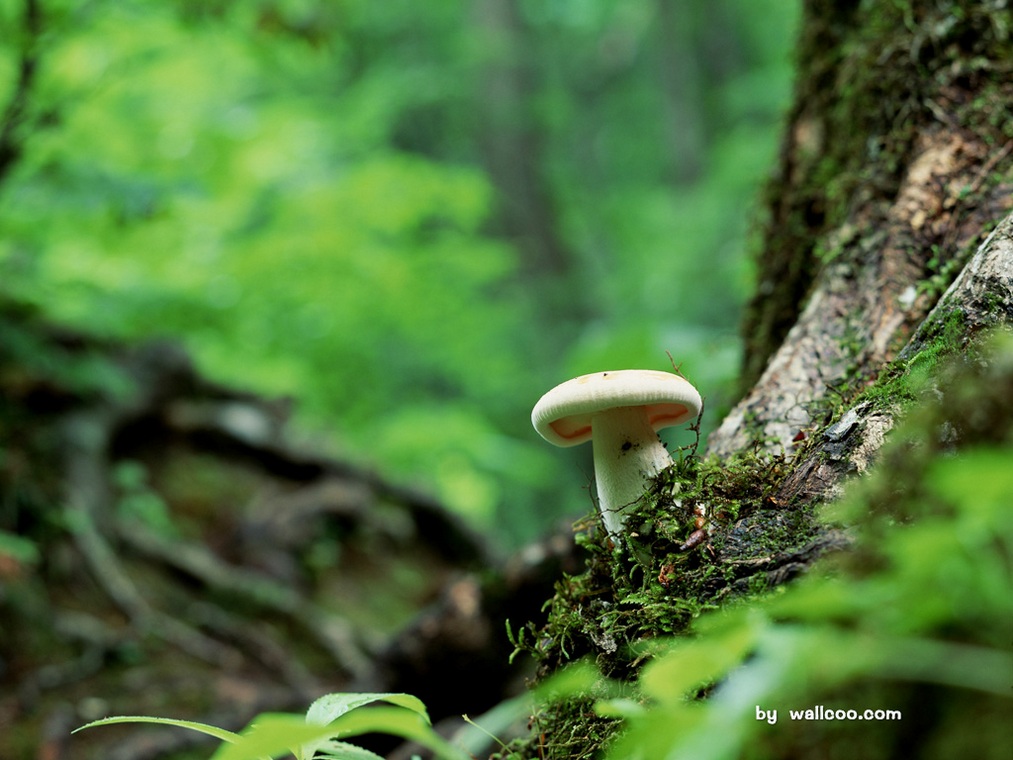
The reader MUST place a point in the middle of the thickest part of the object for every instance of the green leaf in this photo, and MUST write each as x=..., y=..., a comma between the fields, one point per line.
x=335, y=750
x=271, y=735
x=977, y=480
x=332, y=706
x=204, y=728
x=18, y=548
x=654, y=733
x=693, y=664
x=397, y=721
x=624, y=707
x=579, y=679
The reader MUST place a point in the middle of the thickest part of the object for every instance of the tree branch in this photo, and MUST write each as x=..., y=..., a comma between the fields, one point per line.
x=16, y=112
x=333, y=634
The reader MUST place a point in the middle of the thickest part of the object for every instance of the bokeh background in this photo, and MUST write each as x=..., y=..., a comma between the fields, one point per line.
x=411, y=218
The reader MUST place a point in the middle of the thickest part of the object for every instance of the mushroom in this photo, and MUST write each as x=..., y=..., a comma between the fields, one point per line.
x=619, y=412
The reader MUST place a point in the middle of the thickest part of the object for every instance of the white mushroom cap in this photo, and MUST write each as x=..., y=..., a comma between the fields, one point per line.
x=621, y=413
x=563, y=415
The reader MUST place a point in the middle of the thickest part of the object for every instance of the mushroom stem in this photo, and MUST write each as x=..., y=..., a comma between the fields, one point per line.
x=627, y=455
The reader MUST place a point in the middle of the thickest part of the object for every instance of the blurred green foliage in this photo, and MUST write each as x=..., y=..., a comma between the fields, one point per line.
x=139, y=503
x=413, y=217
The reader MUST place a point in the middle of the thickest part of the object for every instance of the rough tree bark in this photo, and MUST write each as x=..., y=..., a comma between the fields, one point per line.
x=894, y=180
x=895, y=166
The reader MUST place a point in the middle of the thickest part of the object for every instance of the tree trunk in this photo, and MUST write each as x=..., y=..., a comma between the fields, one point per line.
x=895, y=166
x=511, y=142
x=896, y=148
x=914, y=193
x=887, y=239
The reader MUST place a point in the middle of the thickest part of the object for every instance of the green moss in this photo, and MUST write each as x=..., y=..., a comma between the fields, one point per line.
x=942, y=336
x=657, y=579
x=568, y=730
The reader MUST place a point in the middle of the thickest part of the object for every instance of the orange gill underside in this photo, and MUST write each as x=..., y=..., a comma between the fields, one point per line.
x=579, y=426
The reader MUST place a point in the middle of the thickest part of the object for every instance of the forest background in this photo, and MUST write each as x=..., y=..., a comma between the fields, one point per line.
x=401, y=223
x=409, y=218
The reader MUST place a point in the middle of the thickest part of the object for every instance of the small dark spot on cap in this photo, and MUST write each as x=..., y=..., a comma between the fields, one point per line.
x=627, y=446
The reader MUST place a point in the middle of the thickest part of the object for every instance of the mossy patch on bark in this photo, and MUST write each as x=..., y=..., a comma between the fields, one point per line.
x=704, y=533
x=873, y=77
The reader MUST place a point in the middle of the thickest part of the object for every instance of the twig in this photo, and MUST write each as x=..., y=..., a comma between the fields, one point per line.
x=258, y=644
x=17, y=107
x=85, y=437
x=208, y=424
x=988, y=166
x=335, y=635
